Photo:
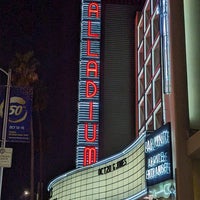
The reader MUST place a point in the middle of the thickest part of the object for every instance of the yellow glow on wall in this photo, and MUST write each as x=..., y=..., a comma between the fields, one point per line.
x=192, y=29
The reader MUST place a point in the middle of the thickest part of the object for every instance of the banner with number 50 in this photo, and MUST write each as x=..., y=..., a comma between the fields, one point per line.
x=20, y=111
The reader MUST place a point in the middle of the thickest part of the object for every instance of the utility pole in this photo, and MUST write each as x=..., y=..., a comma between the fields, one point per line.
x=5, y=119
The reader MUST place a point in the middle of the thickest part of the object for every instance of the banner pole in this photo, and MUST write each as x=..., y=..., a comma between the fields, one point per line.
x=5, y=120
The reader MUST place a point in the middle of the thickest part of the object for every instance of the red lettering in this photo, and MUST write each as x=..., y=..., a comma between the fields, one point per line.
x=88, y=50
x=92, y=69
x=95, y=35
x=94, y=133
x=91, y=89
x=89, y=155
x=91, y=111
x=93, y=8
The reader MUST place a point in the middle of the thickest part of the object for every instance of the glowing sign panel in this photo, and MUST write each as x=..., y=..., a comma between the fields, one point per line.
x=158, y=156
x=88, y=105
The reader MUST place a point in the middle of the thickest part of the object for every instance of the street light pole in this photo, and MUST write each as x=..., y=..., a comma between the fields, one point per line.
x=5, y=119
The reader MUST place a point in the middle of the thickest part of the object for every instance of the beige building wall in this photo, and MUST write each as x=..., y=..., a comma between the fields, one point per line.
x=178, y=102
x=192, y=29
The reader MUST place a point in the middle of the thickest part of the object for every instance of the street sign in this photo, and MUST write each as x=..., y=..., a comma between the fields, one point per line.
x=6, y=157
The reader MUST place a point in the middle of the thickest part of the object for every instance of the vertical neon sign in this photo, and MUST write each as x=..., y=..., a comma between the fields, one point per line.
x=88, y=105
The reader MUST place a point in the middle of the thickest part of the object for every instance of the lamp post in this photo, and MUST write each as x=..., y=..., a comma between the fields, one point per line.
x=5, y=119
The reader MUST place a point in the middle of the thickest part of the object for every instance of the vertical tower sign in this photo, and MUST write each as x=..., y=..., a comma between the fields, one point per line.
x=88, y=105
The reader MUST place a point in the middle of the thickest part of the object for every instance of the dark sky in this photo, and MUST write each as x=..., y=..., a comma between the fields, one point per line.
x=51, y=28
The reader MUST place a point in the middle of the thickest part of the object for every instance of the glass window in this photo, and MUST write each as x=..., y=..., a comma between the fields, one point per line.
x=147, y=13
x=141, y=84
x=141, y=113
x=149, y=102
x=158, y=118
x=140, y=59
x=148, y=42
x=155, y=4
x=148, y=72
x=156, y=25
x=141, y=31
x=156, y=56
x=150, y=125
x=157, y=89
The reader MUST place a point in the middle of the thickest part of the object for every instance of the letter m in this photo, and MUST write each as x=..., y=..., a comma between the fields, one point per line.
x=89, y=155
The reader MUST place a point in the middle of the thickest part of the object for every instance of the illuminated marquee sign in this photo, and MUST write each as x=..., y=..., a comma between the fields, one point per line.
x=158, y=155
x=88, y=105
x=112, y=167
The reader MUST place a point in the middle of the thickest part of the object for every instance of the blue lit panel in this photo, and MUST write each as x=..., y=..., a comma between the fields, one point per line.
x=94, y=49
x=80, y=157
x=83, y=68
x=85, y=16
x=91, y=134
x=84, y=112
x=95, y=29
x=82, y=91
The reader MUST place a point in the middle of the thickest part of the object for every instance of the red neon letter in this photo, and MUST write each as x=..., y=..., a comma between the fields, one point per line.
x=94, y=69
x=88, y=50
x=93, y=8
x=91, y=111
x=90, y=84
x=95, y=35
x=94, y=133
x=89, y=155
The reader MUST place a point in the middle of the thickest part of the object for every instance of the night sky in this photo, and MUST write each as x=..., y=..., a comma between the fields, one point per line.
x=51, y=28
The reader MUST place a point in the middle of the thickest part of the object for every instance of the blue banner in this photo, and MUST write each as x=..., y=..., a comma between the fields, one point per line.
x=158, y=155
x=20, y=112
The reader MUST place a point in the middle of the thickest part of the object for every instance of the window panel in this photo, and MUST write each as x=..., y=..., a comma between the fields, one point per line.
x=149, y=102
x=158, y=118
x=158, y=89
x=155, y=24
x=140, y=59
x=148, y=72
x=155, y=4
x=141, y=31
x=150, y=125
x=148, y=42
x=141, y=85
x=147, y=13
x=141, y=114
x=156, y=53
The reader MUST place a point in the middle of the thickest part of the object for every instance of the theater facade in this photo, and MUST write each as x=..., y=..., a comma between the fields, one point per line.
x=138, y=124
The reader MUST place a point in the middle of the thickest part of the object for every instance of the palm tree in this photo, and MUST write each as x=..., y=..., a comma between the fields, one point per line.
x=24, y=73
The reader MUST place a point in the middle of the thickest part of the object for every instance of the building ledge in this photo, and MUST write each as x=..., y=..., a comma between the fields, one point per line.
x=193, y=145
